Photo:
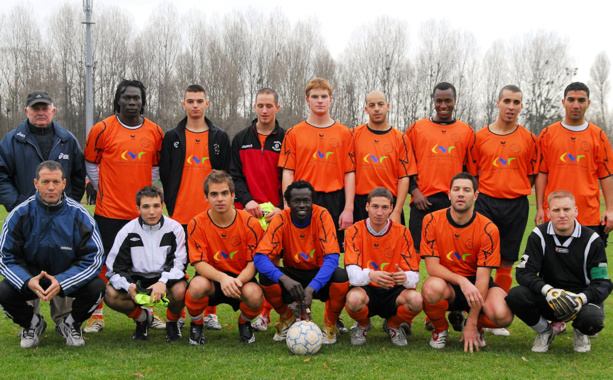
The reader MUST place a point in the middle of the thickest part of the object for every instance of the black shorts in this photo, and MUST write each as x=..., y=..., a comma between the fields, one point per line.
x=304, y=277
x=460, y=303
x=219, y=297
x=334, y=202
x=439, y=201
x=147, y=282
x=109, y=228
x=359, y=209
x=511, y=218
x=382, y=302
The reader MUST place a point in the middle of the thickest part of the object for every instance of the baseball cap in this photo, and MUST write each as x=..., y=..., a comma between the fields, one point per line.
x=38, y=97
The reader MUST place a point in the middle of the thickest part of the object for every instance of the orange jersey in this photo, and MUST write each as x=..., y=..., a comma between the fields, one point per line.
x=300, y=248
x=126, y=157
x=441, y=152
x=574, y=161
x=504, y=162
x=321, y=156
x=461, y=249
x=380, y=252
x=227, y=249
x=197, y=166
x=382, y=158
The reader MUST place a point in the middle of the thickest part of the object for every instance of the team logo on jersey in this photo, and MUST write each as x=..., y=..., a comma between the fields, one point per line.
x=439, y=148
x=196, y=160
x=499, y=161
x=134, y=156
x=374, y=158
x=374, y=266
x=224, y=255
x=454, y=255
x=304, y=256
x=323, y=155
x=571, y=157
x=276, y=146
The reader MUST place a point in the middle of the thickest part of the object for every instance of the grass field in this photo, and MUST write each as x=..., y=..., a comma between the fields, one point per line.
x=112, y=353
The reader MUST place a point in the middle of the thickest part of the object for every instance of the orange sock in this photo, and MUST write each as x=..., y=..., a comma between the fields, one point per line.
x=334, y=306
x=195, y=307
x=266, y=307
x=274, y=296
x=361, y=317
x=134, y=314
x=210, y=310
x=247, y=313
x=183, y=313
x=484, y=321
x=170, y=317
x=503, y=278
x=402, y=315
x=436, y=313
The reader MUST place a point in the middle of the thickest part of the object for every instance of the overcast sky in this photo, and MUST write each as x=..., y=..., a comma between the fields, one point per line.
x=585, y=24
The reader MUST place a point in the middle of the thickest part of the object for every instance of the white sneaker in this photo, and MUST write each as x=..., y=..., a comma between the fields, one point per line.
x=439, y=339
x=581, y=342
x=498, y=332
x=358, y=334
x=396, y=334
x=542, y=341
x=93, y=325
x=29, y=336
x=261, y=322
x=181, y=323
x=157, y=323
x=211, y=322
x=73, y=334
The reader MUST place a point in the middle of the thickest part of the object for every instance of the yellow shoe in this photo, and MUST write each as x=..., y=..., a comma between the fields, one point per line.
x=157, y=323
x=94, y=325
x=282, y=326
x=329, y=334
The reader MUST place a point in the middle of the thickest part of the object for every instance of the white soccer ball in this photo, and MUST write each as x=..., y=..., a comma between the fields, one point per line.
x=304, y=338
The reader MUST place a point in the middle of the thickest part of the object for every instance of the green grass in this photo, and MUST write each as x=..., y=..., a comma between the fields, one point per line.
x=112, y=354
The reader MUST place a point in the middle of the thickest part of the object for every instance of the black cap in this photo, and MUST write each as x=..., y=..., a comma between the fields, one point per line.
x=38, y=97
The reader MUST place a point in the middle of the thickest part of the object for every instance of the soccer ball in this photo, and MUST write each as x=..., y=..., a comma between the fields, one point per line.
x=304, y=338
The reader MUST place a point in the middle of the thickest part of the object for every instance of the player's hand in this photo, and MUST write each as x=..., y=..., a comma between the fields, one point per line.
x=381, y=278
x=606, y=220
x=540, y=217
x=304, y=307
x=254, y=209
x=420, y=201
x=272, y=214
x=53, y=289
x=345, y=220
x=294, y=288
x=399, y=276
x=34, y=286
x=231, y=286
x=133, y=292
x=472, y=294
x=581, y=300
x=562, y=303
x=470, y=337
x=158, y=290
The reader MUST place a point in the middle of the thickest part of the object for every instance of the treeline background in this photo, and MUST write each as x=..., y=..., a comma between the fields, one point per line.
x=235, y=55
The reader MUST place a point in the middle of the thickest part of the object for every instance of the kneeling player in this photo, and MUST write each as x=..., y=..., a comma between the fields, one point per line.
x=562, y=277
x=222, y=241
x=305, y=237
x=151, y=250
x=383, y=269
x=461, y=247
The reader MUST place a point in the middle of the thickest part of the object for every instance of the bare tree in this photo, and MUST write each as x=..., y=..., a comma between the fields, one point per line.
x=494, y=73
x=600, y=86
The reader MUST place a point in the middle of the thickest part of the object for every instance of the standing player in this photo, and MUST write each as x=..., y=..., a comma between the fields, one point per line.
x=384, y=157
x=505, y=163
x=383, y=269
x=149, y=250
x=304, y=237
x=460, y=247
x=222, y=243
x=254, y=168
x=320, y=150
x=122, y=154
x=564, y=263
x=573, y=155
x=190, y=151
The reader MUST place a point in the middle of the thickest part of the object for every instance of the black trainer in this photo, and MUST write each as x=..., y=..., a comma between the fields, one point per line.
x=457, y=320
x=196, y=335
x=173, y=332
x=245, y=333
x=142, y=328
x=341, y=327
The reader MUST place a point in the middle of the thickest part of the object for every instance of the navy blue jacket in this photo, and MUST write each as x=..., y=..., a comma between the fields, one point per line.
x=20, y=155
x=62, y=240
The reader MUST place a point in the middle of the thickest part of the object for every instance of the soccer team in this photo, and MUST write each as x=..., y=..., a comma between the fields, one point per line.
x=264, y=220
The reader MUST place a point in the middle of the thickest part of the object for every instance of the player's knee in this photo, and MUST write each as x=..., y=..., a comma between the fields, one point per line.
x=177, y=291
x=412, y=300
x=112, y=296
x=590, y=319
x=200, y=287
x=252, y=294
x=356, y=300
x=433, y=290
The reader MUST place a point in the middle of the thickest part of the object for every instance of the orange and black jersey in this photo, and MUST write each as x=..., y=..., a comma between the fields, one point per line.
x=321, y=156
x=300, y=248
x=382, y=158
x=574, y=161
x=126, y=156
x=441, y=151
x=380, y=252
x=505, y=162
x=460, y=248
x=227, y=249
